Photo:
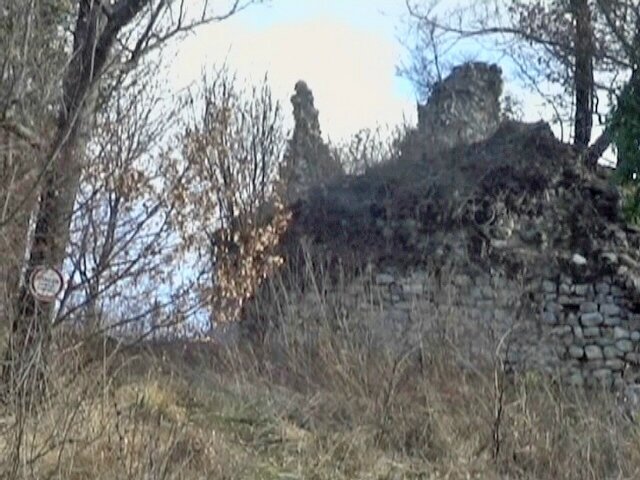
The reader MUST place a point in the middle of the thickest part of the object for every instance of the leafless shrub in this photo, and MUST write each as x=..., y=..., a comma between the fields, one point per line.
x=369, y=147
x=230, y=212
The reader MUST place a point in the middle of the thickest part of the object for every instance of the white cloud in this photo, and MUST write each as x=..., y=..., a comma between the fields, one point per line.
x=351, y=71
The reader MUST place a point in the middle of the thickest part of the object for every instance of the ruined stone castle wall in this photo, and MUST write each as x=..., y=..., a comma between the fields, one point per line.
x=308, y=160
x=586, y=332
x=463, y=108
x=598, y=326
x=507, y=251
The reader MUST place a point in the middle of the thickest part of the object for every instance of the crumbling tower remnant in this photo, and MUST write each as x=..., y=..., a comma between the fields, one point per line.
x=308, y=160
x=464, y=108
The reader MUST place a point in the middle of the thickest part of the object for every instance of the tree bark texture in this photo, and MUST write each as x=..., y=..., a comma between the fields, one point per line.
x=583, y=75
x=25, y=363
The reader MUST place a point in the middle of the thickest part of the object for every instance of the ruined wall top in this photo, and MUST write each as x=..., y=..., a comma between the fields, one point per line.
x=308, y=160
x=464, y=107
x=304, y=112
x=535, y=245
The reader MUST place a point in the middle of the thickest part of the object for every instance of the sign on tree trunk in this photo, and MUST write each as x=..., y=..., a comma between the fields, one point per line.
x=45, y=284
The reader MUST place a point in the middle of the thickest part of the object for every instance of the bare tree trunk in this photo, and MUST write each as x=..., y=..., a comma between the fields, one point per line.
x=15, y=181
x=97, y=26
x=597, y=149
x=94, y=35
x=583, y=76
x=26, y=356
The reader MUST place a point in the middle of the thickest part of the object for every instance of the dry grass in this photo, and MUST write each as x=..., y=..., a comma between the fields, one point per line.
x=311, y=403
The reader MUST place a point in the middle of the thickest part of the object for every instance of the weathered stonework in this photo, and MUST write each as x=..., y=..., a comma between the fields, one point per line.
x=507, y=246
x=308, y=160
x=463, y=108
x=590, y=335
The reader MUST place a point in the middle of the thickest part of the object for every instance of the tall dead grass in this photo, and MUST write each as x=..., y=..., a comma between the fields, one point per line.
x=316, y=398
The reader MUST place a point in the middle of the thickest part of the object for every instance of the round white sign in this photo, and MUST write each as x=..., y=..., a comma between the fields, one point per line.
x=46, y=283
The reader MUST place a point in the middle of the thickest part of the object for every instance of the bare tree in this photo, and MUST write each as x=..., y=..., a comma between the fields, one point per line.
x=32, y=53
x=622, y=20
x=121, y=230
x=579, y=46
x=231, y=213
x=583, y=76
x=106, y=37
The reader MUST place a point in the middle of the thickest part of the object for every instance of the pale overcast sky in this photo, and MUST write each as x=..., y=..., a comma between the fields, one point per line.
x=347, y=51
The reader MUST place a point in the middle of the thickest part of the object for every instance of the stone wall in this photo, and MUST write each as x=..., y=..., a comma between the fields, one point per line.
x=588, y=333
x=474, y=312
x=507, y=249
x=598, y=327
x=463, y=108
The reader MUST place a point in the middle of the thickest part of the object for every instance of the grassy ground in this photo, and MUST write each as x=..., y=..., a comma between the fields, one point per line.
x=313, y=400
x=338, y=411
